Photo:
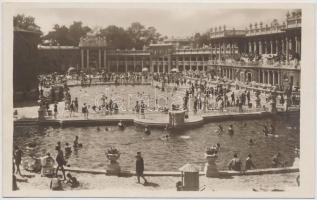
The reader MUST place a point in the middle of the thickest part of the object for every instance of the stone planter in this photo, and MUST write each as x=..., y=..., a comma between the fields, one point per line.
x=211, y=167
x=113, y=157
x=113, y=168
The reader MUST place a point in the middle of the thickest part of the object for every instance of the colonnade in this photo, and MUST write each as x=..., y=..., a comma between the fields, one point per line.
x=228, y=72
x=279, y=45
x=224, y=48
x=85, y=58
x=265, y=76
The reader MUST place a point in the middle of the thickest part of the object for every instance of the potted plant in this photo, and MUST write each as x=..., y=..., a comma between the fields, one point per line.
x=113, y=155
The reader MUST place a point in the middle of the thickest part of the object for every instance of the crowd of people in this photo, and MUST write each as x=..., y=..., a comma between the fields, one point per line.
x=86, y=79
x=202, y=92
x=46, y=165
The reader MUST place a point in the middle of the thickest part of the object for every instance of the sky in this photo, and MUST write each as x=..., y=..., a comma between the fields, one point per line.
x=172, y=20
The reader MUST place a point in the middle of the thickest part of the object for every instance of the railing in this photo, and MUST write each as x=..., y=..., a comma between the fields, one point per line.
x=192, y=51
x=266, y=30
x=294, y=23
x=268, y=64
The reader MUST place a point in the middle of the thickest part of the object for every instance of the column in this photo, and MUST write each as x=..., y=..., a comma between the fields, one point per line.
x=263, y=78
x=104, y=59
x=87, y=59
x=254, y=47
x=82, y=58
x=99, y=58
x=283, y=46
x=230, y=49
x=259, y=75
x=117, y=64
x=268, y=77
x=169, y=64
x=299, y=46
x=133, y=63
x=276, y=47
x=230, y=74
x=126, y=64
x=219, y=51
x=176, y=60
x=296, y=45
x=250, y=47
x=196, y=58
x=287, y=48
x=273, y=76
x=203, y=62
x=290, y=44
x=265, y=43
x=271, y=50
x=225, y=48
x=260, y=47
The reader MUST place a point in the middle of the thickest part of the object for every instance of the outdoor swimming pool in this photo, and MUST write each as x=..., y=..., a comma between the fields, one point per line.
x=183, y=147
x=126, y=95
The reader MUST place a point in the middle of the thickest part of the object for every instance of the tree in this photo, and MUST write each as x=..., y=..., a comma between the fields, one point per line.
x=117, y=37
x=136, y=33
x=77, y=30
x=62, y=35
x=25, y=22
x=142, y=36
x=201, y=39
x=151, y=36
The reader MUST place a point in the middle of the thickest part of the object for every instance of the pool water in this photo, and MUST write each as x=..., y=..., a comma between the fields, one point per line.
x=127, y=95
x=183, y=147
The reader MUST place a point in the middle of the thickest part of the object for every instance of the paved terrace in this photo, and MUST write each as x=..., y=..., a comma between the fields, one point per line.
x=101, y=182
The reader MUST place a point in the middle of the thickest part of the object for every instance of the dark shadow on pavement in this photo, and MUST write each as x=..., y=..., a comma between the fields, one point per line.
x=151, y=184
x=224, y=176
x=22, y=180
x=28, y=176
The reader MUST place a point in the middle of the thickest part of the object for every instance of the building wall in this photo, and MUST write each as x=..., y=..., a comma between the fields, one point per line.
x=25, y=65
x=58, y=59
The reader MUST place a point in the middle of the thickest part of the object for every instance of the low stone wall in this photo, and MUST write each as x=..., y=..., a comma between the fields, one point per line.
x=201, y=173
x=189, y=123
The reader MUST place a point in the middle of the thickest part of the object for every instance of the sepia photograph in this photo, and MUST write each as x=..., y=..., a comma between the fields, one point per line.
x=162, y=99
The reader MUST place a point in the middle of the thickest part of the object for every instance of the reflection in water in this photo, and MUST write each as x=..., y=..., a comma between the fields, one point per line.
x=187, y=146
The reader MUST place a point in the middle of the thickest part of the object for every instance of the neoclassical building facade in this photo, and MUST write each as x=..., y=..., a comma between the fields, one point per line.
x=268, y=54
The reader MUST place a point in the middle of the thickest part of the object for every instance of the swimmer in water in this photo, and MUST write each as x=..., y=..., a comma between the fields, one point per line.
x=68, y=149
x=218, y=146
x=251, y=142
x=147, y=131
x=106, y=128
x=230, y=130
x=165, y=137
x=98, y=129
x=58, y=146
x=272, y=131
x=220, y=129
x=120, y=124
x=266, y=131
x=76, y=144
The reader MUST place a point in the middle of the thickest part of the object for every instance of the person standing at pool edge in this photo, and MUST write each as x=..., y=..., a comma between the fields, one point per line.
x=235, y=163
x=60, y=162
x=17, y=159
x=139, y=167
x=249, y=163
x=55, y=110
